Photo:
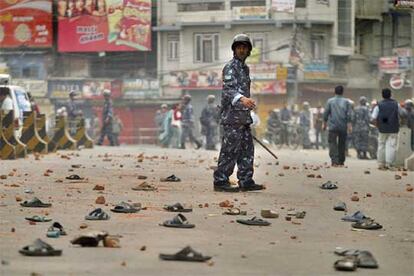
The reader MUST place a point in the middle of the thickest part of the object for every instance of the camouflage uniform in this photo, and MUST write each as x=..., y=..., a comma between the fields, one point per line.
x=360, y=129
x=209, y=122
x=237, y=143
x=305, y=125
x=187, y=125
x=107, y=117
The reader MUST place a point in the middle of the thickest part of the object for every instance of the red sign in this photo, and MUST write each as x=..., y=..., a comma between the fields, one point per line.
x=396, y=82
x=104, y=25
x=25, y=23
x=388, y=63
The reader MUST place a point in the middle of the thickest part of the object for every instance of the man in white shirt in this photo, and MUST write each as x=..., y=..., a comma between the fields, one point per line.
x=5, y=99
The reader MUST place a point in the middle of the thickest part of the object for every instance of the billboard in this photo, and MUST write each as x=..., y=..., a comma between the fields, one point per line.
x=140, y=88
x=25, y=23
x=195, y=79
x=284, y=5
x=316, y=71
x=104, y=25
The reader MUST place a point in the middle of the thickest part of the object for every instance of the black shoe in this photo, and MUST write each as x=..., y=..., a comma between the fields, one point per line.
x=253, y=187
x=226, y=188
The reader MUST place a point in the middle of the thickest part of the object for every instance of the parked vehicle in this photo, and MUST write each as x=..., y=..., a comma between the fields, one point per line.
x=21, y=103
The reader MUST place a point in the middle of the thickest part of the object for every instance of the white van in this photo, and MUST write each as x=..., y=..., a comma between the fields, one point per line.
x=21, y=103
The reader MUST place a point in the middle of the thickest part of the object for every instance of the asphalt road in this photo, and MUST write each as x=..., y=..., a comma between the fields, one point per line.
x=297, y=247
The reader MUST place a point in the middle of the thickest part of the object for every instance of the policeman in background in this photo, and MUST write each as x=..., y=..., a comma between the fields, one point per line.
x=73, y=112
x=360, y=128
x=237, y=143
x=107, y=117
x=209, y=122
x=187, y=123
x=305, y=122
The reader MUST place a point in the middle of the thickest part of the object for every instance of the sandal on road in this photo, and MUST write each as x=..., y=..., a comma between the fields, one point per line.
x=90, y=239
x=179, y=221
x=177, y=207
x=144, y=186
x=97, y=214
x=186, y=254
x=124, y=207
x=347, y=252
x=348, y=263
x=357, y=216
x=37, y=218
x=55, y=231
x=366, y=260
x=328, y=186
x=171, y=178
x=340, y=206
x=235, y=212
x=35, y=203
x=254, y=221
x=40, y=248
x=367, y=224
x=74, y=177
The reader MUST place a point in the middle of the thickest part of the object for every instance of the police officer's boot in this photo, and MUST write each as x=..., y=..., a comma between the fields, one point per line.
x=364, y=155
x=359, y=154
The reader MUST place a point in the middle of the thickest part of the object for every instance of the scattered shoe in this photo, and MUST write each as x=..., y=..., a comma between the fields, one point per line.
x=266, y=213
x=124, y=207
x=144, y=186
x=186, y=254
x=97, y=214
x=357, y=216
x=35, y=203
x=300, y=215
x=171, y=178
x=348, y=263
x=74, y=177
x=254, y=221
x=59, y=226
x=179, y=221
x=328, y=186
x=177, y=207
x=367, y=224
x=40, y=248
x=90, y=239
x=366, y=260
x=37, y=218
x=235, y=212
x=340, y=206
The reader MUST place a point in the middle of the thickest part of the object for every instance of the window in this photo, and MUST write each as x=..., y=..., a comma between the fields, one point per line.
x=30, y=72
x=219, y=6
x=317, y=47
x=259, y=41
x=172, y=47
x=339, y=63
x=344, y=23
x=248, y=3
x=300, y=4
x=206, y=48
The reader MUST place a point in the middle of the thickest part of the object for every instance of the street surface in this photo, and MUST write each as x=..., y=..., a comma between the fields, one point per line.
x=297, y=247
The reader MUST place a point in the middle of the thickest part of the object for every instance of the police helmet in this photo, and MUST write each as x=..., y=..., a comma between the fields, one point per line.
x=241, y=39
x=107, y=92
x=186, y=97
x=363, y=100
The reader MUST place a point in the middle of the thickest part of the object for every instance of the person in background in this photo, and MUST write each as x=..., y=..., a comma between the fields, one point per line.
x=187, y=123
x=319, y=132
x=73, y=112
x=409, y=110
x=176, y=127
x=360, y=128
x=117, y=127
x=337, y=119
x=6, y=102
x=209, y=122
x=107, y=117
x=386, y=116
x=305, y=123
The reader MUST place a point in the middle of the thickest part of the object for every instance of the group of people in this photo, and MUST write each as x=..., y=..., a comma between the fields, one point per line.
x=111, y=123
x=176, y=126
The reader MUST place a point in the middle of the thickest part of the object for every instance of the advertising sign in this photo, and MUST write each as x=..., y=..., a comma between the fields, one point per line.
x=250, y=13
x=140, y=89
x=396, y=82
x=60, y=89
x=388, y=63
x=93, y=89
x=284, y=5
x=281, y=73
x=38, y=88
x=268, y=87
x=195, y=79
x=25, y=23
x=316, y=71
x=263, y=71
x=104, y=25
